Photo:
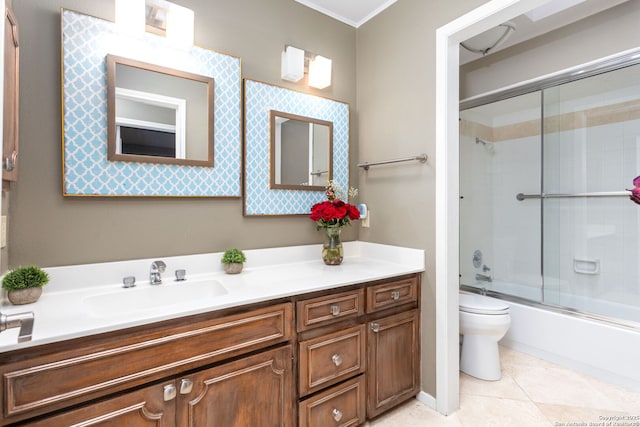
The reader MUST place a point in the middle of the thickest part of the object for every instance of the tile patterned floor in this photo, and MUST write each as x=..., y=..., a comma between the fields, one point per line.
x=531, y=393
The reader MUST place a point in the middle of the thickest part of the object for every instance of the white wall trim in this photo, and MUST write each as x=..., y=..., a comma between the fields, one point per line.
x=448, y=38
x=426, y=399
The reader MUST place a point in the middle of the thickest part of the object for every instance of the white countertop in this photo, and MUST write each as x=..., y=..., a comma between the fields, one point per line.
x=85, y=299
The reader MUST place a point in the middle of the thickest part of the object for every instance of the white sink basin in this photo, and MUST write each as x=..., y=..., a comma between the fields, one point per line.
x=147, y=297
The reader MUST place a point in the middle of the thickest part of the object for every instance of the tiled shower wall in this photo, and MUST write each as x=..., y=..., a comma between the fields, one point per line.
x=591, y=144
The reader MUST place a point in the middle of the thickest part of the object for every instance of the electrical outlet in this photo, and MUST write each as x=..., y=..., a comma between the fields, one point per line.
x=365, y=221
x=3, y=232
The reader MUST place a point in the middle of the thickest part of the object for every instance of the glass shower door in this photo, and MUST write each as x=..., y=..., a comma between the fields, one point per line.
x=591, y=153
x=500, y=155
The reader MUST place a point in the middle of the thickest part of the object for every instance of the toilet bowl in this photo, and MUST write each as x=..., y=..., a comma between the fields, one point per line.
x=483, y=322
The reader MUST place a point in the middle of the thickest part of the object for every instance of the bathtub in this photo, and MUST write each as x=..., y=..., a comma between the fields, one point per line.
x=602, y=349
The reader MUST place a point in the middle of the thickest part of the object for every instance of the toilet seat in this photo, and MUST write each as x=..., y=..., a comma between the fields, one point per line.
x=478, y=304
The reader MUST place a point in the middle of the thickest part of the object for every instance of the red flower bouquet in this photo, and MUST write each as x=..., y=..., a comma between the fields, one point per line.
x=332, y=215
x=334, y=212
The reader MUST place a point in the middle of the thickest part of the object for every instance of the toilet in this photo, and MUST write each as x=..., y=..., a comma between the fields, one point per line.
x=483, y=322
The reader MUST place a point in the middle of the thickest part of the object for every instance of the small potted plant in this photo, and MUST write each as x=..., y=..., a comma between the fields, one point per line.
x=24, y=284
x=233, y=260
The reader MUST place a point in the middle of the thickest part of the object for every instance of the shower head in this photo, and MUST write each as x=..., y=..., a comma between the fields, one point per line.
x=489, y=146
x=490, y=39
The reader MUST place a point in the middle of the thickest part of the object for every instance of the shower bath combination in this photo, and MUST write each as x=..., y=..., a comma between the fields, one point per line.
x=550, y=207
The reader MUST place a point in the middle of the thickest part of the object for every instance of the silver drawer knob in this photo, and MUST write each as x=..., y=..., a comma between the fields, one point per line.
x=335, y=310
x=169, y=392
x=375, y=327
x=336, y=359
x=336, y=414
x=395, y=295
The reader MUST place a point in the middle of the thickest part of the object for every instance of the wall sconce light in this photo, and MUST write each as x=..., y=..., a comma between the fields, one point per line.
x=296, y=62
x=320, y=72
x=292, y=67
x=130, y=17
x=180, y=26
x=160, y=17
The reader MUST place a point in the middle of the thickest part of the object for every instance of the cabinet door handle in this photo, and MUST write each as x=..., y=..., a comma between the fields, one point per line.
x=375, y=327
x=169, y=392
x=336, y=414
x=10, y=161
x=335, y=310
x=336, y=359
x=395, y=295
x=186, y=386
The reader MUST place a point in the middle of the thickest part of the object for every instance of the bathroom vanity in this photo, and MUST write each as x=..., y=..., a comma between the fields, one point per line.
x=320, y=346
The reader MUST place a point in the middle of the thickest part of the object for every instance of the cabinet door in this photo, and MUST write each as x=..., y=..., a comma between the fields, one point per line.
x=393, y=361
x=10, y=126
x=141, y=408
x=253, y=391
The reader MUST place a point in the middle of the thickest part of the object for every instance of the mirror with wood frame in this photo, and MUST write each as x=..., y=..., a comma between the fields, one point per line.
x=158, y=115
x=301, y=152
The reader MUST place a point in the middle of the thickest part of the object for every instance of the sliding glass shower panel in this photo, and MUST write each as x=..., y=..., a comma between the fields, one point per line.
x=500, y=155
x=591, y=153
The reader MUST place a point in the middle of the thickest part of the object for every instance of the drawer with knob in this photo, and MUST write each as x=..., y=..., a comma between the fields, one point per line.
x=331, y=358
x=329, y=309
x=392, y=294
x=342, y=405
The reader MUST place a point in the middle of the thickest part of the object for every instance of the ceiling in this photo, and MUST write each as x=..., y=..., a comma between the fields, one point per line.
x=544, y=19
x=549, y=17
x=352, y=12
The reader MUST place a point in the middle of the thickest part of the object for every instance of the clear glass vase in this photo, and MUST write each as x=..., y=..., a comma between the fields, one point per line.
x=332, y=252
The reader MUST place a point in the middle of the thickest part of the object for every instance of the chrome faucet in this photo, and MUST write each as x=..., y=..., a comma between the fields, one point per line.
x=483, y=278
x=157, y=268
x=22, y=320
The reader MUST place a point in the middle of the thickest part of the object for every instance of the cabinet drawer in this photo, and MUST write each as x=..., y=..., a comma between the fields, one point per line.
x=329, y=308
x=342, y=405
x=67, y=377
x=392, y=294
x=331, y=358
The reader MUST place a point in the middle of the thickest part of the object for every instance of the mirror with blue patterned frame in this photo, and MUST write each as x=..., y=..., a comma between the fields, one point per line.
x=261, y=197
x=86, y=42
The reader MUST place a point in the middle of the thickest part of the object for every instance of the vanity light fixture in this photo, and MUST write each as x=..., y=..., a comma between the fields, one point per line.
x=292, y=66
x=180, y=26
x=320, y=72
x=160, y=17
x=297, y=62
x=130, y=17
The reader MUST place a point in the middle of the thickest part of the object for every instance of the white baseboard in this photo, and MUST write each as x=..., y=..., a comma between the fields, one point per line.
x=426, y=399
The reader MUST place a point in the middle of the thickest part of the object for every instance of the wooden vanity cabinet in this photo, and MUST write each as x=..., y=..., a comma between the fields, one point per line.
x=207, y=356
x=358, y=352
x=331, y=358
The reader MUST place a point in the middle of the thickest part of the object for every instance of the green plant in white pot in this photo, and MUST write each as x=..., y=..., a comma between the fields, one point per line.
x=24, y=284
x=233, y=260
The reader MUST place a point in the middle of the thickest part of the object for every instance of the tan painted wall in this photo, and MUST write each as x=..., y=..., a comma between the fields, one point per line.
x=611, y=31
x=396, y=118
x=48, y=229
